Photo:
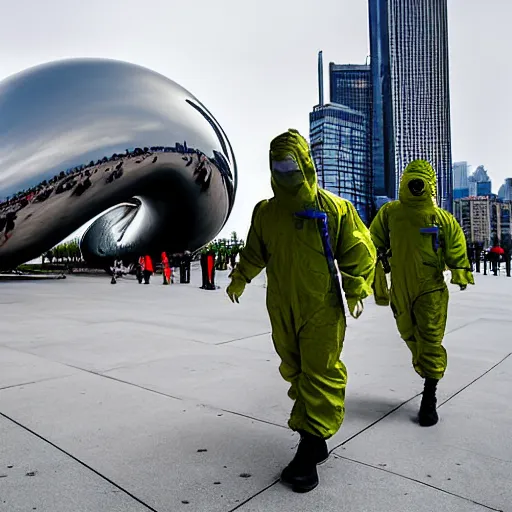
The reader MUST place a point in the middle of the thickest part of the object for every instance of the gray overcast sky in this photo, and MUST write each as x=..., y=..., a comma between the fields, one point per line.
x=253, y=64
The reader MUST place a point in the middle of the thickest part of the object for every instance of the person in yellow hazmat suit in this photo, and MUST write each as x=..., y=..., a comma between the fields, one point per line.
x=297, y=235
x=416, y=241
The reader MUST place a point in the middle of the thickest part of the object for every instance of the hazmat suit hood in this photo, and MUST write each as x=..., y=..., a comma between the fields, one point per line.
x=294, y=179
x=418, y=186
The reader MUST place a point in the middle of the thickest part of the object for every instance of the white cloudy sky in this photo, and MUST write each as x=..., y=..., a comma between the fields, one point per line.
x=254, y=64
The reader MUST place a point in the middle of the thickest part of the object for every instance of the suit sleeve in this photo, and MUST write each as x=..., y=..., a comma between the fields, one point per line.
x=380, y=236
x=379, y=229
x=355, y=254
x=253, y=257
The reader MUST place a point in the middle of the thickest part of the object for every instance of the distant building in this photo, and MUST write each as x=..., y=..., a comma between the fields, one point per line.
x=460, y=193
x=505, y=228
x=480, y=175
x=410, y=77
x=479, y=183
x=339, y=145
x=484, y=188
x=460, y=180
x=341, y=135
x=505, y=191
x=484, y=218
x=474, y=215
x=350, y=85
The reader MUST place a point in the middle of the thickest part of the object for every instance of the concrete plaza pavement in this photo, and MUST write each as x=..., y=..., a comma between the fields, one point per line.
x=141, y=398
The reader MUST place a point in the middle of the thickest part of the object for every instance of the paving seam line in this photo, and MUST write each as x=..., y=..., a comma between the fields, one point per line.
x=12, y=386
x=274, y=424
x=374, y=423
x=243, y=338
x=412, y=398
x=336, y=456
x=477, y=379
x=250, y=498
x=471, y=322
x=488, y=507
x=82, y=463
x=182, y=399
x=128, y=493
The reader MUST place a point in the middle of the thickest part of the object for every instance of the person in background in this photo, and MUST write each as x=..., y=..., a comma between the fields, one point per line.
x=140, y=270
x=208, y=268
x=148, y=269
x=204, y=267
x=113, y=271
x=185, y=267
x=496, y=254
x=471, y=255
x=166, y=269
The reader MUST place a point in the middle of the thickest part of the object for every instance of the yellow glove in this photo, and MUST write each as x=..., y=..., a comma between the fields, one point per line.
x=462, y=278
x=235, y=289
x=355, y=306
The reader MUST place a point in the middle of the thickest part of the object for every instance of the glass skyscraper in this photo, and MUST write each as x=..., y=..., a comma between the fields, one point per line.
x=339, y=142
x=383, y=151
x=409, y=49
x=479, y=183
x=460, y=180
x=340, y=135
x=350, y=85
x=505, y=191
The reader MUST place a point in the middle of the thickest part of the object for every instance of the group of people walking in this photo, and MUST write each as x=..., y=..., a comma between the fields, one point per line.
x=210, y=261
x=298, y=236
x=144, y=268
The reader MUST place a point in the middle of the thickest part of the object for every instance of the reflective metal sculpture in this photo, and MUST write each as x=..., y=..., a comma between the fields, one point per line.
x=84, y=138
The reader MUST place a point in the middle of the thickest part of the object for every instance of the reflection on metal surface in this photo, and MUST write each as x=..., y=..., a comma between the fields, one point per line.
x=86, y=137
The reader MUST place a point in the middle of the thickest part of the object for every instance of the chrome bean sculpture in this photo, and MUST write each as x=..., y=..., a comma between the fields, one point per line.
x=113, y=145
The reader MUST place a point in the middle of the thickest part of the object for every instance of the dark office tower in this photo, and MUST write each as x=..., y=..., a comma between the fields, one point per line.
x=350, y=85
x=383, y=150
x=409, y=45
x=340, y=136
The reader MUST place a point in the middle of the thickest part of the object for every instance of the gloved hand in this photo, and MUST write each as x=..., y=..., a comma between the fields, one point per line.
x=355, y=307
x=235, y=289
x=462, y=278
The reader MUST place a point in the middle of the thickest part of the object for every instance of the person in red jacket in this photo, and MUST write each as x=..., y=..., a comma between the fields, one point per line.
x=166, y=271
x=148, y=268
x=495, y=256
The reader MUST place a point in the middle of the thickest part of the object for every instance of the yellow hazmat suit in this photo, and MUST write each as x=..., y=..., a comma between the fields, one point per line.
x=422, y=240
x=308, y=321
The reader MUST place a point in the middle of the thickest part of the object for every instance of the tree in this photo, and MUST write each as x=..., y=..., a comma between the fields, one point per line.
x=50, y=256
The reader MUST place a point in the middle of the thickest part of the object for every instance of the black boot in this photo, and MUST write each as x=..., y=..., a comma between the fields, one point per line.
x=301, y=473
x=428, y=415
